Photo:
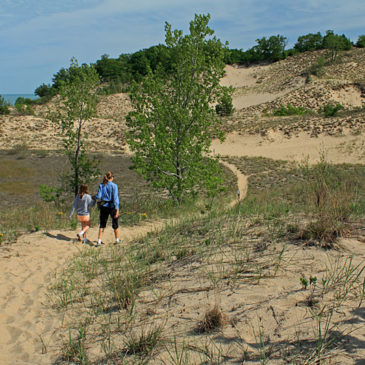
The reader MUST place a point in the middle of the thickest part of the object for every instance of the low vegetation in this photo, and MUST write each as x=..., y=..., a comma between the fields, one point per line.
x=291, y=110
x=27, y=208
x=132, y=302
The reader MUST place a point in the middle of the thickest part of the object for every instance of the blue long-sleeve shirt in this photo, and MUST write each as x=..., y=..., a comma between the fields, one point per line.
x=109, y=193
x=81, y=205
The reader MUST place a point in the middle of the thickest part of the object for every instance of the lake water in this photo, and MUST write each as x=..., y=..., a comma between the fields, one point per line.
x=11, y=98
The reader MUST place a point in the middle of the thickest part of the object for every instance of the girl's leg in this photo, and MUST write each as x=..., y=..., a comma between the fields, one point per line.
x=85, y=227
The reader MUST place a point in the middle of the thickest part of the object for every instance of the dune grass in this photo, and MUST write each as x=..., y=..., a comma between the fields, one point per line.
x=22, y=209
x=120, y=298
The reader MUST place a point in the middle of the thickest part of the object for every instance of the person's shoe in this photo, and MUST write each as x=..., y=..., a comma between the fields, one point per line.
x=85, y=240
x=80, y=236
x=117, y=241
x=98, y=244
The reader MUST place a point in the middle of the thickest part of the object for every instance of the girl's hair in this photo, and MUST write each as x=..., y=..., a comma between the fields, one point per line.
x=84, y=189
x=107, y=177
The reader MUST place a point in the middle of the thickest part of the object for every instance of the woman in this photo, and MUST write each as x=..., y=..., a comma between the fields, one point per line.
x=81, y=204
x=109, y=205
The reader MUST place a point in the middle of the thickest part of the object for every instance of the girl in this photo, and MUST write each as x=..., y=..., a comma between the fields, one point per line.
x=81, y=204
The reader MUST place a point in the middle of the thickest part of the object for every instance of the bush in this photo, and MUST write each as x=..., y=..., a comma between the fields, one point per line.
x=317, y=68
x=4, y=106
x=331, y=110
x=330, y=199
x=225, y=106
x=309, y=42
x=361, y=41
x=335, y=43
x=24, y=106
x=290, y=110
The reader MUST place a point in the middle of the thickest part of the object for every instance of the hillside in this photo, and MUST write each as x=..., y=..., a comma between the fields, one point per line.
x=259, y=91
x=272, y=278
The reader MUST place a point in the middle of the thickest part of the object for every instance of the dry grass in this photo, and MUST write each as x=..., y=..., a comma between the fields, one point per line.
x=213, y=320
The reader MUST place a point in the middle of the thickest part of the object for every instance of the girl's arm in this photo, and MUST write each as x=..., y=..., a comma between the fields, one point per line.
x=73, y=208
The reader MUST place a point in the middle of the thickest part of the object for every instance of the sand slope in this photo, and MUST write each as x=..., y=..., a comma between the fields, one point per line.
x=29, y=326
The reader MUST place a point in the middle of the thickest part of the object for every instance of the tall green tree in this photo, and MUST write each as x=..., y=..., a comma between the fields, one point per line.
x=335, y=43
x=361, y=41
x=309, y=42
x=271, y=49
x=174, y=120
x=78, y=100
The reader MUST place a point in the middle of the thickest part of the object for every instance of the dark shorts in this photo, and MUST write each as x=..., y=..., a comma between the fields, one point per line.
x=105, y=212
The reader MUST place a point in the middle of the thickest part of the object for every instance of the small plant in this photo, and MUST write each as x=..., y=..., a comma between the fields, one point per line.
x=24, y=106
x=214, y=319
x=144, y=343
x=4, y=106
x=304, y=282
x=330, y=195
x=290, y=110
x=225, y=106
x=50, y=194
x=312, y=282
x=317, y=68
x=75, y=349
x=331, y=110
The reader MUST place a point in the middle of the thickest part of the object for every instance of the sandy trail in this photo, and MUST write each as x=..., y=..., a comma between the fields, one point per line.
x=28, y=327
x=26, y=269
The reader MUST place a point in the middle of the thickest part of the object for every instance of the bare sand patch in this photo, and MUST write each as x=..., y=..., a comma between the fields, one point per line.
x=275, y=145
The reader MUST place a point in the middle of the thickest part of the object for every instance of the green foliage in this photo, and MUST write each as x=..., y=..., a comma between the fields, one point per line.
x=173, y=121
x=126, y=68
x=309, y=42
x=304, y=282
x=50, y=194
x=330, y=199
x=225, y=106
x=44, y=91
x=335, y=43
x=24, y=106
x=331, y=110
x=267, y=50
x=116, y=70
x=317, y=68
x=271, y=49
x=290, y=110
x=361, y=41
x=78, y=92
x=4, y=106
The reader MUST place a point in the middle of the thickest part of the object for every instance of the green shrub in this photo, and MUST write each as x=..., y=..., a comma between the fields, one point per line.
x=4, y=106
x=290, y=110
x=317, y=69
x=331, y=110
x=225, y=106
x=50, y=194
x=24, y=106
x=330, y=195
x=361, y=41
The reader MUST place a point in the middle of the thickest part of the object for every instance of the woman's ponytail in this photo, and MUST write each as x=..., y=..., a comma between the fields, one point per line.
x=107, y=177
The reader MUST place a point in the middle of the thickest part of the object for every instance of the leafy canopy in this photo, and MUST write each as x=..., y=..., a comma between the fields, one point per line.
x=174, y=119
x=78, y=93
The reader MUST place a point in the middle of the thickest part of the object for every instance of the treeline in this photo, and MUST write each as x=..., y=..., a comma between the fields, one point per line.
x=272, y=49
x=121, y=71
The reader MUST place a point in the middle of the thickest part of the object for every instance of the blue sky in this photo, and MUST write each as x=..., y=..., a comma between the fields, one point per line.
x=38, y=37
